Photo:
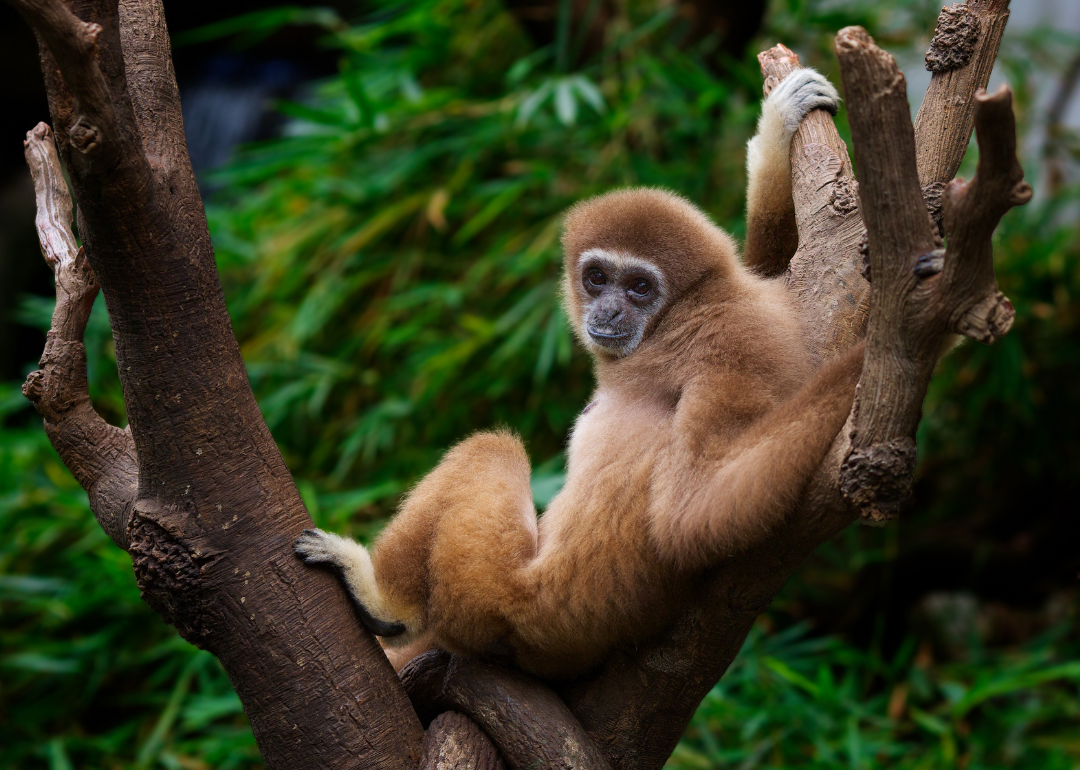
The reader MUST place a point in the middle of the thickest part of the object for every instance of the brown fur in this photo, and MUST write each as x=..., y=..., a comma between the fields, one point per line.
x=697, y=444
x=707, y=421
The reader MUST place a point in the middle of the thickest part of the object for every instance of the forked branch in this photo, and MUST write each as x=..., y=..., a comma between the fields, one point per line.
x=914, y=304
x=214, y=556
x=972, y=211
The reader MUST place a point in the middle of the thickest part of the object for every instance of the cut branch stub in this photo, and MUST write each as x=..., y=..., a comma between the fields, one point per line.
x=971, y=212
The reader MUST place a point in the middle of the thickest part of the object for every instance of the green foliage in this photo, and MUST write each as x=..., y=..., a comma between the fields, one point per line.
x=89, y=675
x=392, y=272
x=792, y=701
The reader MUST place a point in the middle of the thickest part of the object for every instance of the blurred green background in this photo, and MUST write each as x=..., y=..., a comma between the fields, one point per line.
x=390, y=258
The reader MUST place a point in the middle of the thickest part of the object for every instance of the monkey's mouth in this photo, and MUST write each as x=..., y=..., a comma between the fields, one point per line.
x=609, y=339
x=612, y=339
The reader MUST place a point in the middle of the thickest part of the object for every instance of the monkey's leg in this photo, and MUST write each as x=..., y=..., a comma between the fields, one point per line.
x=761, y=476
x=771, y=234
x=485, y=539
x=447, y=561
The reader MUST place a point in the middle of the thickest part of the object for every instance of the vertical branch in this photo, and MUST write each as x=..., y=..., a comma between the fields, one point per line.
x=961, y=57
x=972, y=211
x=99, y=455
x=528, y=722
x=215, y=509
x=920, y=293
x=899, y=357
x=825, y=274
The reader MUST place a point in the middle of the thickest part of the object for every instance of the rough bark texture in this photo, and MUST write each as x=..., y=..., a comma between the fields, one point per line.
x=961, y=57
x=527, y=721
x=825, y=274
x=455, y=742
x=920, y=293
x=215, y=510
x=196, y=491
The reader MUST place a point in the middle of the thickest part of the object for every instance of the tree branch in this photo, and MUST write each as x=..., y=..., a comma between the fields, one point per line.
x=913, y=305
x=216, y=512
x=971, y=213
x=527, y=721
x=961, y=56
x=99, y=455
x=454, y=742
x=825, y=275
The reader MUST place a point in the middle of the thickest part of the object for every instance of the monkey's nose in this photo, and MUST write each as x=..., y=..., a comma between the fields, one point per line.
x=610, y=318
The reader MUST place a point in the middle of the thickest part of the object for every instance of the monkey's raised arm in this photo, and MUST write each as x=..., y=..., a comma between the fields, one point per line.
x=771, y=234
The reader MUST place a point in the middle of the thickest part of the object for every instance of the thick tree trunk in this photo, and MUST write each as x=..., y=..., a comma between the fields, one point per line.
x=208, y=510
x=196, y=491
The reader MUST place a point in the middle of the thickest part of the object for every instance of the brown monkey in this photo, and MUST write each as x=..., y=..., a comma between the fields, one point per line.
x=707, y=421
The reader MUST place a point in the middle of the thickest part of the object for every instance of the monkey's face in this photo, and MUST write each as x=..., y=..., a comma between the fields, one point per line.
x=620, y=296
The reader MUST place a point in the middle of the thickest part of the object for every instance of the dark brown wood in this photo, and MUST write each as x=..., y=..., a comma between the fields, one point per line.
x=455, y=742
x=215, y=511
x=914, y=304
x=969, y=295
x=527, y=721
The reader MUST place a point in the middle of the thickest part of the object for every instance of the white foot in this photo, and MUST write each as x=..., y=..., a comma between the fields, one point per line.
x=353, y=562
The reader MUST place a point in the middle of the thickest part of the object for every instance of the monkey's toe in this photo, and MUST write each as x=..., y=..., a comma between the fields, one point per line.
x=315, y=547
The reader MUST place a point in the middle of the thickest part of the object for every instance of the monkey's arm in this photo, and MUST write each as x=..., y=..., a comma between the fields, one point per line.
x=758, y=480
x=771, y=234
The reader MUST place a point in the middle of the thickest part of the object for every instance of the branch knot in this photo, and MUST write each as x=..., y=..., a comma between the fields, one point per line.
x=83, y=136
x=877, y=479
x=954, y=40
x=988, y=320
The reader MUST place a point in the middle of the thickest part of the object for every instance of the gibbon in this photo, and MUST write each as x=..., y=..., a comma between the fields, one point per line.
x=708, y=419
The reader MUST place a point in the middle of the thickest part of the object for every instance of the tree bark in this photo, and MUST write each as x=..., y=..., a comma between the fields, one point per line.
x=208, y=510
x=196, y=491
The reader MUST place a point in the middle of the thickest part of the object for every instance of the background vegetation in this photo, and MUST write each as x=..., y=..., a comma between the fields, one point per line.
x=391, y=269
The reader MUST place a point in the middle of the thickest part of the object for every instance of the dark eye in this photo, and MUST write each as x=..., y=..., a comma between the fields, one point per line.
x=641, y=287
x=596, y=277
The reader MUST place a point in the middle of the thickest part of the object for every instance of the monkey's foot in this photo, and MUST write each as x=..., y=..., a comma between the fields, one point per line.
x=353, y=564
x=799, y=94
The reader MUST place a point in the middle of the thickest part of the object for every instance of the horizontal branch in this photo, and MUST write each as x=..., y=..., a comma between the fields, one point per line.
x=455, y=742
x=100, y=456
x=528, y=722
